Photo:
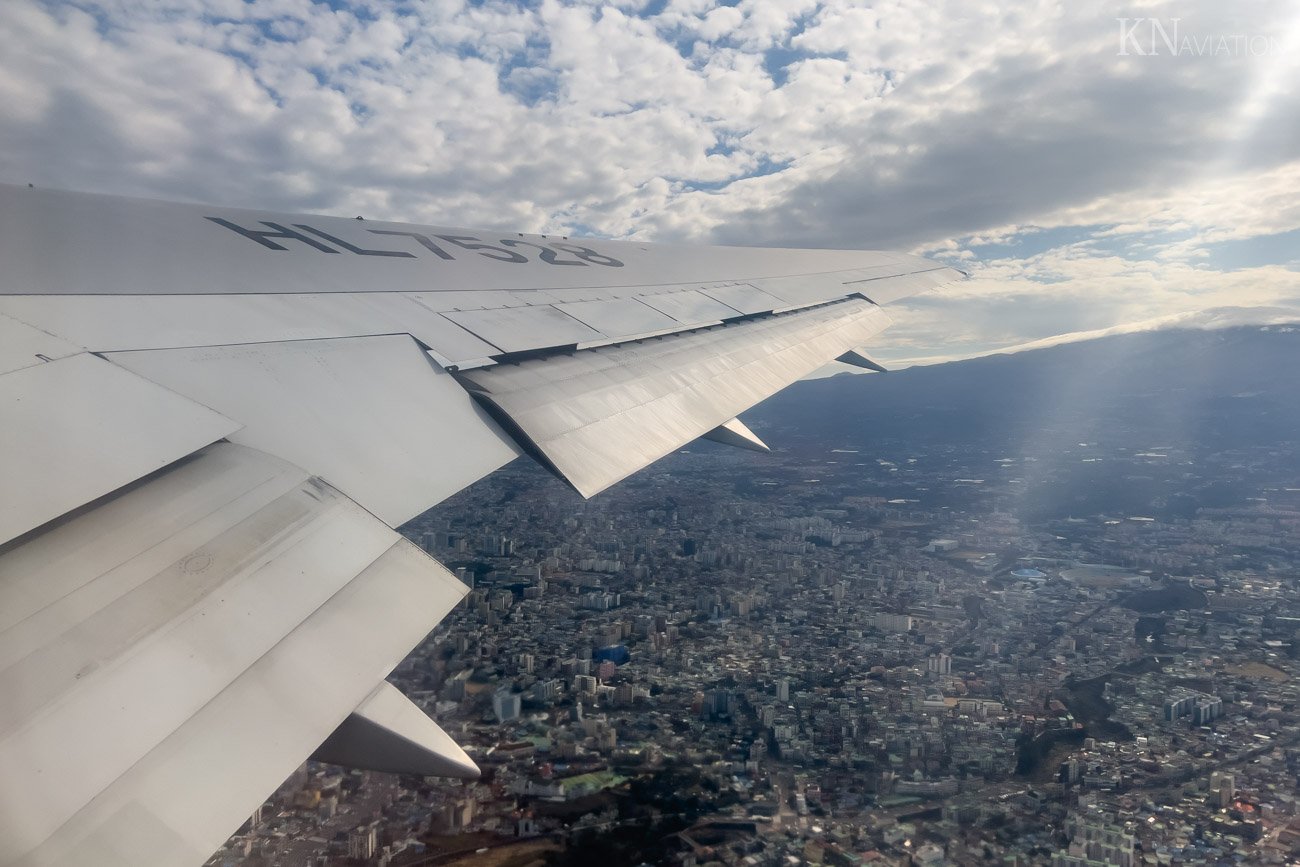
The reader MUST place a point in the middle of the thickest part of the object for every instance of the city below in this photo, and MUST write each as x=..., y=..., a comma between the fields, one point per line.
x=1019, y=640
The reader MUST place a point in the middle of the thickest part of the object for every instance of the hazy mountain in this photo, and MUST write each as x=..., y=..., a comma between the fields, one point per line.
x=1185, y=389
x=1210, y=318
x=1158, y=423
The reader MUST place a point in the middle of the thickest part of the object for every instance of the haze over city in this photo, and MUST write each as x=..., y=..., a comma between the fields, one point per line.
x=982, y=614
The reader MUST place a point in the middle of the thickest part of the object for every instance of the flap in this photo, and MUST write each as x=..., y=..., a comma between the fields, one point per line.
x=77, y=428
x=598, y=415
x=371, y=415
x=212, y=624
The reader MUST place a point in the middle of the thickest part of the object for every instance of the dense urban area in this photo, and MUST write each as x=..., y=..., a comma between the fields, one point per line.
x=829, y=656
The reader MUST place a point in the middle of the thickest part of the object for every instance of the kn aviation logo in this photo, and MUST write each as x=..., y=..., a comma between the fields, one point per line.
x=1167, y=37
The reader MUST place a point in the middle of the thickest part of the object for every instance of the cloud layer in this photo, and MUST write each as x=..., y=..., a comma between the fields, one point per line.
x=1089, y=170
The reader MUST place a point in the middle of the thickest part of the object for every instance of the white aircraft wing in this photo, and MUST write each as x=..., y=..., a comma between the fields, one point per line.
x=211, y=420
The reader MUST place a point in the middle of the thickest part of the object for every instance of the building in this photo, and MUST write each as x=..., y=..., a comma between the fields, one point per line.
x=894, y=622
x=506, y=705
x=1206, y=710
x=363, y=842
x=940, y=663
x=1181, y=706
x=1095, y=840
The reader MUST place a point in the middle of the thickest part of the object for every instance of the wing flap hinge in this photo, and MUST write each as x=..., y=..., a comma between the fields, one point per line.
x=387, y=732
x=737, y=433
x=861, y=359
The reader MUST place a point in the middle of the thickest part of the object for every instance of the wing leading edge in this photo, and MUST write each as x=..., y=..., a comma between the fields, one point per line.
x=213, y=420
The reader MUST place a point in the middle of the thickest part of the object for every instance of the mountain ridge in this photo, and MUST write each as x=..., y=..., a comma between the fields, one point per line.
x=1230, y=387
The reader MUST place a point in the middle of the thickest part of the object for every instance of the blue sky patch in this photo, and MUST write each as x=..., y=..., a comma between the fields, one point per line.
x=1034, y=242
x=1281, y=248
x=777, y=62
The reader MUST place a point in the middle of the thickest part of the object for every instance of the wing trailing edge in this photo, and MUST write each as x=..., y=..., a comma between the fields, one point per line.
x=598, y=415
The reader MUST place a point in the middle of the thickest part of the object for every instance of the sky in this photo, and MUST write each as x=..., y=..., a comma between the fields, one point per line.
x=1093, y=165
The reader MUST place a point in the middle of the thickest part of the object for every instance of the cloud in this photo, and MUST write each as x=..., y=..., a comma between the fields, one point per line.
x=1071, y=289
x=1083, y=187
x=1210, y=319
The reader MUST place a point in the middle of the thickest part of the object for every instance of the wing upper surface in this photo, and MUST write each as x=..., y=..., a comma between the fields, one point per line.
x=212, y=420
x=72, y=243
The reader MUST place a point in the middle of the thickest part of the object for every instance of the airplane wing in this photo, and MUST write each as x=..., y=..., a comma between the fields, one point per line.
x=212, y=420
